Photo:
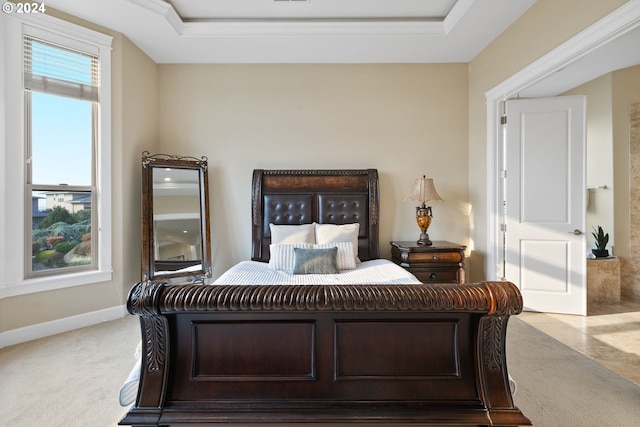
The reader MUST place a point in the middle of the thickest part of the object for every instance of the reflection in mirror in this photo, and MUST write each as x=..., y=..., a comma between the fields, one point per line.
x=175, y=217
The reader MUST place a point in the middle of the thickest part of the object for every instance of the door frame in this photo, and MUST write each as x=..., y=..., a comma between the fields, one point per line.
x=622, y=20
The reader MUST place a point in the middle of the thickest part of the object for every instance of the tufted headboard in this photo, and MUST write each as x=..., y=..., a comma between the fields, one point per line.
x=292, y=197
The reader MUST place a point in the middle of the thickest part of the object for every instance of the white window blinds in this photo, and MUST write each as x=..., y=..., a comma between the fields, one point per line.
x=58, y=70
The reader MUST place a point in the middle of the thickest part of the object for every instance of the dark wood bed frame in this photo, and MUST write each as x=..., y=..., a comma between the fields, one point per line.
x=427, y=354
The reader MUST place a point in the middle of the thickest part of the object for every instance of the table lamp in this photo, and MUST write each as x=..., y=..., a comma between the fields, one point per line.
x=423, y=191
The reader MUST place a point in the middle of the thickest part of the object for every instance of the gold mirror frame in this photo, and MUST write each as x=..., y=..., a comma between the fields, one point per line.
x=195, y=269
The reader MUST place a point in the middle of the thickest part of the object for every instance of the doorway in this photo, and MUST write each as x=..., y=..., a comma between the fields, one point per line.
x=605, y=32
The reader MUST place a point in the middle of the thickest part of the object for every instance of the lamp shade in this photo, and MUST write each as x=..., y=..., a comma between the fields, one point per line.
x=423, y=191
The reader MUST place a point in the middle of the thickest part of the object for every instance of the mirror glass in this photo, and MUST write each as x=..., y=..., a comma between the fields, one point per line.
x=175, y=216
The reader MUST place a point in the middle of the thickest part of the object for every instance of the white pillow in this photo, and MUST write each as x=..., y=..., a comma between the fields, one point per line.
x=332, y=233
x=346, y=254
x=282, y=257
x=291, y=234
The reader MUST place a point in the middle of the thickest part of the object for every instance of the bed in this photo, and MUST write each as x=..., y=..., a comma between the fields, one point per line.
x=277, y=348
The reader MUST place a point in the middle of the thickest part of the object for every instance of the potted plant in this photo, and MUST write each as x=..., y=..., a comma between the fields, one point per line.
x=601, y=239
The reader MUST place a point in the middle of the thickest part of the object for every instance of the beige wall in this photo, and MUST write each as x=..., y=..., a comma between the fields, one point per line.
x=134, y=101
x=600, y=210
x=547, y=24
x=608, y=101
x=625, y=92
x=139, y=118
x=404, y=120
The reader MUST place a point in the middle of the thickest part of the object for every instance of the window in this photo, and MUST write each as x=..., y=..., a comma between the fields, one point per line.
x=58, y=155
x=61, y=116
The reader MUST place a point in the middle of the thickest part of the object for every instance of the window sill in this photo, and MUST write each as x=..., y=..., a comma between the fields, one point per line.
x=43, y=284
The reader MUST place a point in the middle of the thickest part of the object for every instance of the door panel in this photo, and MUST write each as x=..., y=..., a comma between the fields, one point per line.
x=545, y=264
x=545, y=202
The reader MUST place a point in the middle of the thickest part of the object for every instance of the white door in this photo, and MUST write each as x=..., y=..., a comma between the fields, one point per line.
x=545, y=244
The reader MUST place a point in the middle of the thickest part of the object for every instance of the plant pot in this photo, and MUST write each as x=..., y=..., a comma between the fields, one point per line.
x=600, y=253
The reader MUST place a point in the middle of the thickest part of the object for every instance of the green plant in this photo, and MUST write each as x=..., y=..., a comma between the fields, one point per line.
x=55, y=260
x=65, y=247
x=601, y=238
x=50, y=259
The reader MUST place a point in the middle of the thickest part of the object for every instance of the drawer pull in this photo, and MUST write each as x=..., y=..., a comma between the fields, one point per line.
x=433, y=276
x=435, y=257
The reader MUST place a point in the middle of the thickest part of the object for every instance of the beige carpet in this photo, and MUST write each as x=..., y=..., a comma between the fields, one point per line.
x=70, y=379
x=557, y=387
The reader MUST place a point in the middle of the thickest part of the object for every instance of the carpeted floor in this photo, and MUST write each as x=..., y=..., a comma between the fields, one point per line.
x=557, y=387
x=84, y=370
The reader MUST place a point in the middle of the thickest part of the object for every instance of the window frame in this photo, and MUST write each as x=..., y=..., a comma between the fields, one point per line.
x=13, y=274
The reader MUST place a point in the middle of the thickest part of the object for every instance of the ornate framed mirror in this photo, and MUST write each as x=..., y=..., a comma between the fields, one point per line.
x=175, y=217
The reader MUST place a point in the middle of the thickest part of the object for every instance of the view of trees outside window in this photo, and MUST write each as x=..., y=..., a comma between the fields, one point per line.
x=61, y=237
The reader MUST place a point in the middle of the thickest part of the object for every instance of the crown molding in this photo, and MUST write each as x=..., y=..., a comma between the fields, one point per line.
x=306, y=27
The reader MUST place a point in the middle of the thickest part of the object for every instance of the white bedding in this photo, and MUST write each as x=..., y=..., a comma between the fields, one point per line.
x=197, y=267
x=129, y=389
x=379, y=271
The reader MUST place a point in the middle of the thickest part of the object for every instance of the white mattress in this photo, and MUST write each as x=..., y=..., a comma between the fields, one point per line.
x=379, y=271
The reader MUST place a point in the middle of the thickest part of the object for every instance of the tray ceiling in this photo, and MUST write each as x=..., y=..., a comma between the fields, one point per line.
x=303, y=31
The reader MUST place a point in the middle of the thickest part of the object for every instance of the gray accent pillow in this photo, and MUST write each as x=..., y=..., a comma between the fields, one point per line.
x=316, y=261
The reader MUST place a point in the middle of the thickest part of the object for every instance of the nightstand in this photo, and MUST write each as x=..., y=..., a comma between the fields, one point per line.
x=441, y=262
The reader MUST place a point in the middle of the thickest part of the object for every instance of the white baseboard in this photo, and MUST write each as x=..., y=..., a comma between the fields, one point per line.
x=41, y=330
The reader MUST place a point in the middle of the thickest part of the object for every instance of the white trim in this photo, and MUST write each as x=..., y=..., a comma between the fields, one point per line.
x=266, y=27
x=56, y=38
x=60, y=281
x=4, y=176
x=103, y=172
x=459, y=9
x=312, y=28
x=41, y=330
x=12, y=265
x=13, y=220
x=494, y=245
x=50, y=23
x=619, y=22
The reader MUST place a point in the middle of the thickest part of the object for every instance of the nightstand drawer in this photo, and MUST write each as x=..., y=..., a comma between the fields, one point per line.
x=426, y=275
x=431, y=257
x=440, y=262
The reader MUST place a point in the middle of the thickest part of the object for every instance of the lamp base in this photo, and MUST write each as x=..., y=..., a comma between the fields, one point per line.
x=424, y=240
x=423, y=218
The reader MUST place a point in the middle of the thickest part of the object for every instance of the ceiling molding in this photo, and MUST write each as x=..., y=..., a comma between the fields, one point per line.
x=163, y=9
x=455, y=14
x=261, y=31
x=306, y=27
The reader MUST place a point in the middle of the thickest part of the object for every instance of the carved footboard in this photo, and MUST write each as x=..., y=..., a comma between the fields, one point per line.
x=423, y=354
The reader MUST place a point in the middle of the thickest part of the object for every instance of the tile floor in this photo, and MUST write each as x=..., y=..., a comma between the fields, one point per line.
x=609, y=334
